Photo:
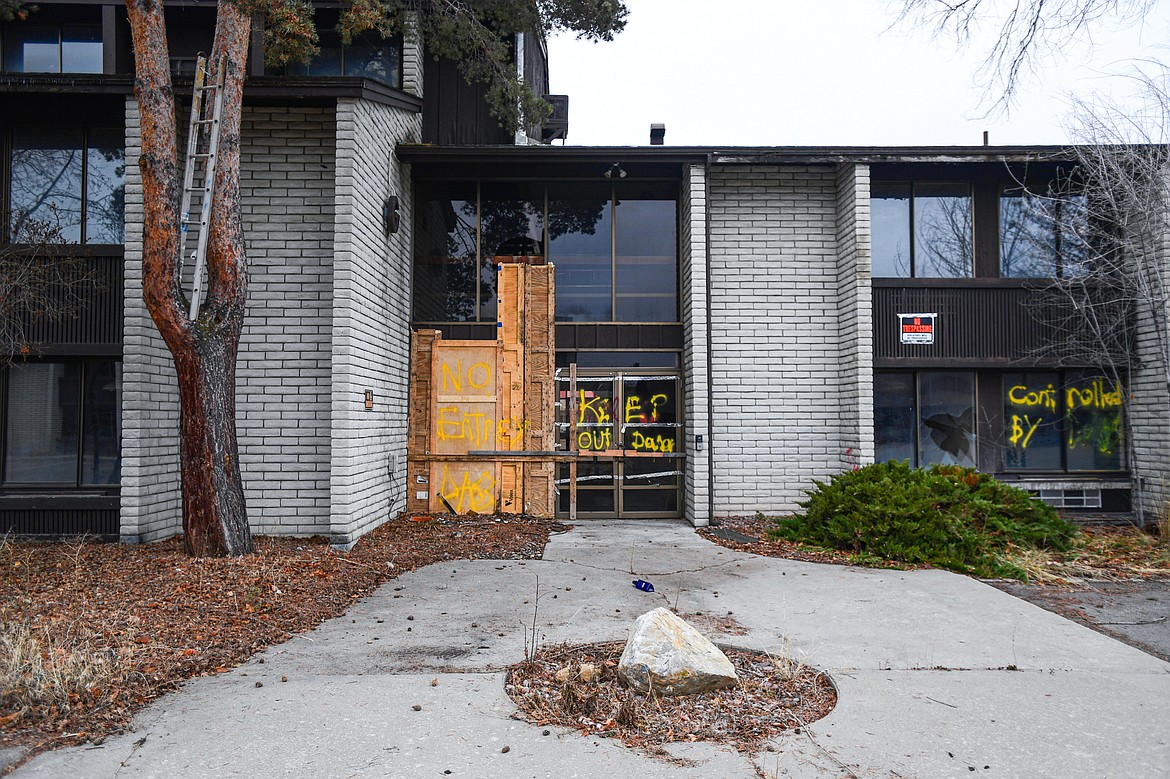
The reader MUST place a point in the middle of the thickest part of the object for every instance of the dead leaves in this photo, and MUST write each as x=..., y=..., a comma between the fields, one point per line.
x=179, y=617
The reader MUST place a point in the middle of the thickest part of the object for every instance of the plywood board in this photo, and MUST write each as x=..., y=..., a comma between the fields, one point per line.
x=464, y=386
x=467, y=487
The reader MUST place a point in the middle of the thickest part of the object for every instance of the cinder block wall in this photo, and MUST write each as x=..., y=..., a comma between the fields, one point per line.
x=693, y=244
x=371, y=315
x=283, y=375
x=776, y=335
x=151, y=501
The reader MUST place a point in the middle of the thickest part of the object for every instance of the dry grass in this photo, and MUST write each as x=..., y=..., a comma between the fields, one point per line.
x=1099, y=554
x=47, y=670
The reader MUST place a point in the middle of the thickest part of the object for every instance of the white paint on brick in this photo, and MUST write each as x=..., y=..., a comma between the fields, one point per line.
x=283, y=398
x=151, y=502
x=855, y=305
x=371, y=315
x=785, y=378
x=696, y=387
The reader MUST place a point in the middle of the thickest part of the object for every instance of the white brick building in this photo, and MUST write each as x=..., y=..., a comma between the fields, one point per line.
x=737, y=312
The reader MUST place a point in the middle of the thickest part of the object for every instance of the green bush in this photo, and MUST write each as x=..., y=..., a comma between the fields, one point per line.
x=945, y=516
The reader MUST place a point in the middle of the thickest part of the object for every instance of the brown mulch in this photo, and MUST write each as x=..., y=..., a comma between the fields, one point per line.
x=757, y=527
x=773, y=695
x=165, y=617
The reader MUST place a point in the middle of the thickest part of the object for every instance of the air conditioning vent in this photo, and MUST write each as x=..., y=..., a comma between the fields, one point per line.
x=557, y=125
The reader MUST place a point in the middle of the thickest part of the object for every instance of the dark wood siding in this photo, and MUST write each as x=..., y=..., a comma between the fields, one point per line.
x=455, y=113
x=993, y=325
x=96, y=326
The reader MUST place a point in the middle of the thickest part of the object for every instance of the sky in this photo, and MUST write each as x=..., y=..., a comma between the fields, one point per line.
x=822, y=73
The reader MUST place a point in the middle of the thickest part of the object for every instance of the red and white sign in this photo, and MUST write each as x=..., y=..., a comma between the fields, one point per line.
x=917, y=328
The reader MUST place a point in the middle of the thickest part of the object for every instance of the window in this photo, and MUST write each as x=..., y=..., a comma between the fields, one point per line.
x=615, y=247
x=368, y=55
x=73, y=179
x=62, y=423
x=1062, y=421
x=922, y=229
x=51, y=48
x=925, y=417
x=1042, y=236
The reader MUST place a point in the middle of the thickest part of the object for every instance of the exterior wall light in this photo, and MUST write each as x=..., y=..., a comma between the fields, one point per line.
x=391, y=218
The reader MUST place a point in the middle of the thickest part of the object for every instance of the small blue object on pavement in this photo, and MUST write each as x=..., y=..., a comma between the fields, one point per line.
x=644, y=585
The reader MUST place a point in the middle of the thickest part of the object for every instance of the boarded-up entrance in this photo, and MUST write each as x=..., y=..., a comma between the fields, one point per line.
x=481, y=412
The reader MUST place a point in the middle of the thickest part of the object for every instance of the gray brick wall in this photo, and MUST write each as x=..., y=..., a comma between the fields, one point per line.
x=412, y=64
x=776, y=342
x=151, y=502
x=283, y=374
x=855, y=308
x=1149, y=404
x=696, y=386
x=371, y=314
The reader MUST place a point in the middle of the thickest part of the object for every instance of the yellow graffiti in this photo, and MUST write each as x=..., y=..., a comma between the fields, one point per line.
x=645, y=443
x=634, y=411
x=1021, y=396
x=595, y=440
x=509, y=427
x=469, y=494
x=1093, y=396
x=475, y=427
x=596, y=406
x=453, y=378
x=1022, y=433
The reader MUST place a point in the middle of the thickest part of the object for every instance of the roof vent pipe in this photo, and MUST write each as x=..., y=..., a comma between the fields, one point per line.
x=657, y=134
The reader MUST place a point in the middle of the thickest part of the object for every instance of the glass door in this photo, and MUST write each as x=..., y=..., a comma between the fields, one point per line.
x=626, y=428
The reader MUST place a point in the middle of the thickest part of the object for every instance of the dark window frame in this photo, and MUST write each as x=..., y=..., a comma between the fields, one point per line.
x=913, y=183
x=1060, y=196
x=79, y=485
x=1065, y=378
x=544, y=183
x=7, y=149
x=916, y=429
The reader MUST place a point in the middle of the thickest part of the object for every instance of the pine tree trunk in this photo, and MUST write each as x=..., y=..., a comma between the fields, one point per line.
x=215, y=518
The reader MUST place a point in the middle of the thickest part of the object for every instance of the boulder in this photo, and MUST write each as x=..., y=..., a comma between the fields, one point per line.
x=667, y=656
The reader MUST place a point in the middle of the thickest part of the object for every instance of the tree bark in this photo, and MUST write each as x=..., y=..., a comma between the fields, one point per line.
x=215, y=521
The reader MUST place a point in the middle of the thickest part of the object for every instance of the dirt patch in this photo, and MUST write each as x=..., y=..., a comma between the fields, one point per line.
x=91, y=632
x=774, y=694
x=750, y=534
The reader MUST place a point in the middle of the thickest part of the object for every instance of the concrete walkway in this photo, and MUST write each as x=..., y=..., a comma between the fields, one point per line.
x=921, y=659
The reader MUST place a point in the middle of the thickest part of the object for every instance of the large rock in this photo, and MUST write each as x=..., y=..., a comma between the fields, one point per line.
x=666, y=656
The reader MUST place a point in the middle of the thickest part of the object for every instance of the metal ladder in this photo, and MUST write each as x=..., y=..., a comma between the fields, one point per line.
x=202, y=148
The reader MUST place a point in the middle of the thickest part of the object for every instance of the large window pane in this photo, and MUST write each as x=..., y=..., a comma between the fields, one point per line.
x=1027, y=236
x=895, y=416
x=373, y=57
x=890, y=217
x=101, y=452
x=81, y=49
x=445, y=252
x=580, y=221
x=105, y=196
x=46, y=180
x=946, y=435
x=646, y=257
x=42, y=423
x=1032, y=413
x=943, y=236
x=511, y=223
x=1042, y=236
x=32, y=48
x=1094, y=433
